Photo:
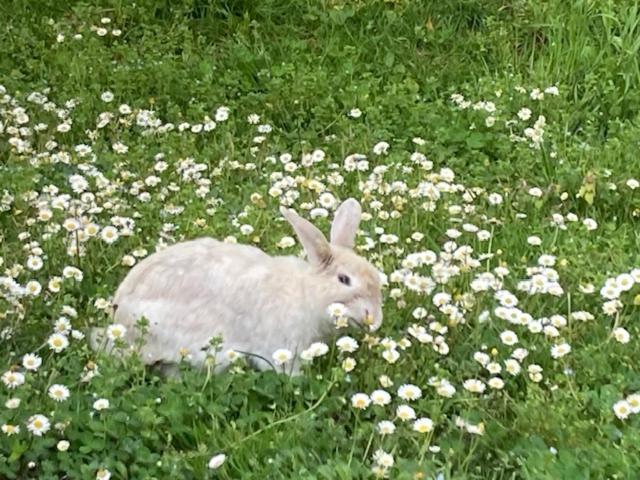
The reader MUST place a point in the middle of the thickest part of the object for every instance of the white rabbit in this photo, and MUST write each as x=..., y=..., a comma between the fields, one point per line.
x=196, y=290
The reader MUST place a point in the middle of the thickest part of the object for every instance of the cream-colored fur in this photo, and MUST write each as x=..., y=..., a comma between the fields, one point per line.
x=195, y=290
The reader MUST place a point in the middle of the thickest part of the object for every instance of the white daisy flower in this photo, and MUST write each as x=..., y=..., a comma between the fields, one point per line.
x=216, y=461
x=116, y=331
x=282, y=356
x=360, y=401
x=58, y=342
x=380, y=397
x=12, y=379
x=58, y=392
x=101, y=404
x=38, y=425
x=31, y=361
x=622, y=409
x=423, y=425
x=409, y=392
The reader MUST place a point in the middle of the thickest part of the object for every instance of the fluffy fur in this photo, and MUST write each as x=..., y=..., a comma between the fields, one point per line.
x=195, y=290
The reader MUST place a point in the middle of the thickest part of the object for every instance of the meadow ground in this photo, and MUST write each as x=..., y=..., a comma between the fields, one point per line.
x=494, y=147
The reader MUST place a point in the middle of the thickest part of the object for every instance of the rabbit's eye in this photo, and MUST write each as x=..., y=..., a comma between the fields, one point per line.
x=344, y=279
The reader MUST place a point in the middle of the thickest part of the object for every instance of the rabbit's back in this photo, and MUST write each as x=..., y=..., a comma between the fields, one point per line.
x=187, y=265
x=190, y=292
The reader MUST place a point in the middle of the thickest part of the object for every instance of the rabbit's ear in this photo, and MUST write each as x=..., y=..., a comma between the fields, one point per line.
x=317, y=248
x=345, y=223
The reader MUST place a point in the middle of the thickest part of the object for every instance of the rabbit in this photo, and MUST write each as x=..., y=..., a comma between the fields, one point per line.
x=199, y=289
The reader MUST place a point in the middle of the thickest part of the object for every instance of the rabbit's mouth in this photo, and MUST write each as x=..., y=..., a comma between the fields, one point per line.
x=359, y=324
x=366, y=324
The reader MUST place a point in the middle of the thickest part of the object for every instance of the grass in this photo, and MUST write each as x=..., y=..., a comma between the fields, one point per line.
x=302, y=66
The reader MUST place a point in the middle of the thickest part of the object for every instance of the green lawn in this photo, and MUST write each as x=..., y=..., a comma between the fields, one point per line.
x=494, y=146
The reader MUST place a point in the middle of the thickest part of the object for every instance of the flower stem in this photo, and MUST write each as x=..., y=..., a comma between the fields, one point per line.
x=353, y=444
x=425, y=446
x=285, y=420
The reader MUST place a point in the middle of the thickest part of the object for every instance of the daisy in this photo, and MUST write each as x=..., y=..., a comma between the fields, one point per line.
x=34, y=263
x=347, y=344
x=327, y=200
x=610, y=292
x=103, y=474
x=512, y=366
x=120, y=148
x=509, y=337
x=319, y=349
x=222, y=114
x=38, y=425
x=535, y=372
x=559, y=351
x=58, y=342
x=381, y=148
x=282, y=356
x=391, y=355
x=482, y=358
x=102, y=304
x=217, y=461
x=33, y=288
x=524, y=114
x=423, y=425
x=380, y=397
x=474, y=386
x=405, y=413
x=496, y=383
x=494, y=368
x=409, y=392
x=9, y=430
x=624, y=282
x=54, y=284
x=622, y=409
x=348, y=364
x=621, y=335
x=12, y=379
x=58, y=392
x=385, y=381
x=109, y=234
x=634, y=402
x=337, y=310
x=12, y=403
x=116, y=331
x=534, y=241
x=495, y=199
x=91, y=230
x=106, y=96
x=385, y=427
x=62, y=325
x=31, y=361
x=445, y=389
x=101, y=404
x=71, y=225
x=286, y=242
x=383, y=459
x=360, y=401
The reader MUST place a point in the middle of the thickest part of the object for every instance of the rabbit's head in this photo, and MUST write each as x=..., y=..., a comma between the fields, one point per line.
x=342, y=276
